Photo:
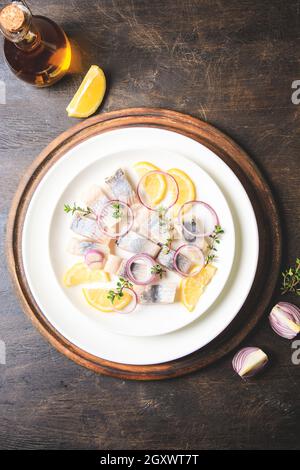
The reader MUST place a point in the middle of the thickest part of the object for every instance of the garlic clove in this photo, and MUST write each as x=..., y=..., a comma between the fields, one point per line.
x=285, y=320
x=249, y=361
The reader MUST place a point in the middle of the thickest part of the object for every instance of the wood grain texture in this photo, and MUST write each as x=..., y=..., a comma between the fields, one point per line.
x=256, y=187
x=231, y=63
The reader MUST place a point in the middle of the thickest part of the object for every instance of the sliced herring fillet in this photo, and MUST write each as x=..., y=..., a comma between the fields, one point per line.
x=121, y=187
x=80, y=247
x=136, y=243
x=87, y=228
x=158, y=294
x=112, y=264
x=166, y=259
x=95, y=198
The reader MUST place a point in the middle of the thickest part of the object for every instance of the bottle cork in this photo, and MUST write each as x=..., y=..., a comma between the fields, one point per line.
x=12, y=18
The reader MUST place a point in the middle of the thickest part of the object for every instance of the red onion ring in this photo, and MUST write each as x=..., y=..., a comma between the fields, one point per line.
x=102, y=214
x=149, y=261
x=96, y=252
x=207, y=206
x=178, y=252
x=134, y=302
x=166, y=175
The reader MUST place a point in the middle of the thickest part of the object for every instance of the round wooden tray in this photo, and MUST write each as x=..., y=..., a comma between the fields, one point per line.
x=256, y=187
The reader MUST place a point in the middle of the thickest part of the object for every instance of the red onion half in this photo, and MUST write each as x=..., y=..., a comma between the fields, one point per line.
x=171, y=192
x=285, y=320
x=192, y=253
x=147, y=261
x=112, y=225
x=131, y=306
x=249, y=361
x=204, y=216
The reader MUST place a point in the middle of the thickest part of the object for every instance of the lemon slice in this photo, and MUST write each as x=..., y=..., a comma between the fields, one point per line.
x=80, y=273
x=154, y=185
x=191, y=288
x=187, y=191
x=89, y=95
x=97, y=298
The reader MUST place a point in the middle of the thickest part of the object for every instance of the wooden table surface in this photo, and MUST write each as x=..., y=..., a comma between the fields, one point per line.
x=232, y=63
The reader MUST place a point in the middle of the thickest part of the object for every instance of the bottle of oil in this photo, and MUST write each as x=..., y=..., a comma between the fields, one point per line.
x=36, y=49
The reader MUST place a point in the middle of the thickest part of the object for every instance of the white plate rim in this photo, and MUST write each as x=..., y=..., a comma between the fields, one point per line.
x=242, y=298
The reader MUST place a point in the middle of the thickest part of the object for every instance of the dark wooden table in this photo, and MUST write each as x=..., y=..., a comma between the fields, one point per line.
x=232, y=63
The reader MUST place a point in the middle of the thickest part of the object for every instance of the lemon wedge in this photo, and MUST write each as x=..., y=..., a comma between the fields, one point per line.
x=154, y=185
x=187, y=191
x=97, y=298
x=80, y=273
x=191, y=288
x=89, y=95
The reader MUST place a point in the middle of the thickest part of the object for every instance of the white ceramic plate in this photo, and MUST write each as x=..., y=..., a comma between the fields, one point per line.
x=147, y=320
x=45, y=234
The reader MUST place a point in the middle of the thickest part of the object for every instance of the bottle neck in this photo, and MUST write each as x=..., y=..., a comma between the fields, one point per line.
x=31, y=40
x=17, y=25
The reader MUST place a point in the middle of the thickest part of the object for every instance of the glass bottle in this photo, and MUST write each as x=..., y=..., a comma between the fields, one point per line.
x=36, y=49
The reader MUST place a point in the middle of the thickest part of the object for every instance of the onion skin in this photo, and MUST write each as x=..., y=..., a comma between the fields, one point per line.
x=285, y=320
x=249, y=361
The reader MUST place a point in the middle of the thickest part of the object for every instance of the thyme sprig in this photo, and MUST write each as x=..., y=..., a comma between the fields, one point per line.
x=118, y=292
x=166, y=247
x=214, y=240
x=158, y=269
x=291, y=279
x=117, y=214
x=75, y=208
x=162, y=216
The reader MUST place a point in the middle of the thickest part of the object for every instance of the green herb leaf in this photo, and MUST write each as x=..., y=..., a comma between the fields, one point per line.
x=75, y=208
x=166, y=247
x=214, y=240
x=291, y=279
x=118, y=293
x=117, y=214
x=158, y=269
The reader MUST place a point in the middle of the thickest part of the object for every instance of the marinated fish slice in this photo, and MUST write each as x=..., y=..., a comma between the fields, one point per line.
x=194, y=226
x=158, y=294
x=181, y=236
x=112, y=264
x=109, y=221
x=151, y=225
x=141, y=216
x=177, y=232
x=136, y=243
x=120, y=187
x=87, y=228
x=121, y=272
x=95, y=198
x=166, y=259
x=160, y=229
x=80, y=247
x=139, y=270
x=191, y=226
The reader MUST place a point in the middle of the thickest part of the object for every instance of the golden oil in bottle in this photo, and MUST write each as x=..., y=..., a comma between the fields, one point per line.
x=36, y=49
